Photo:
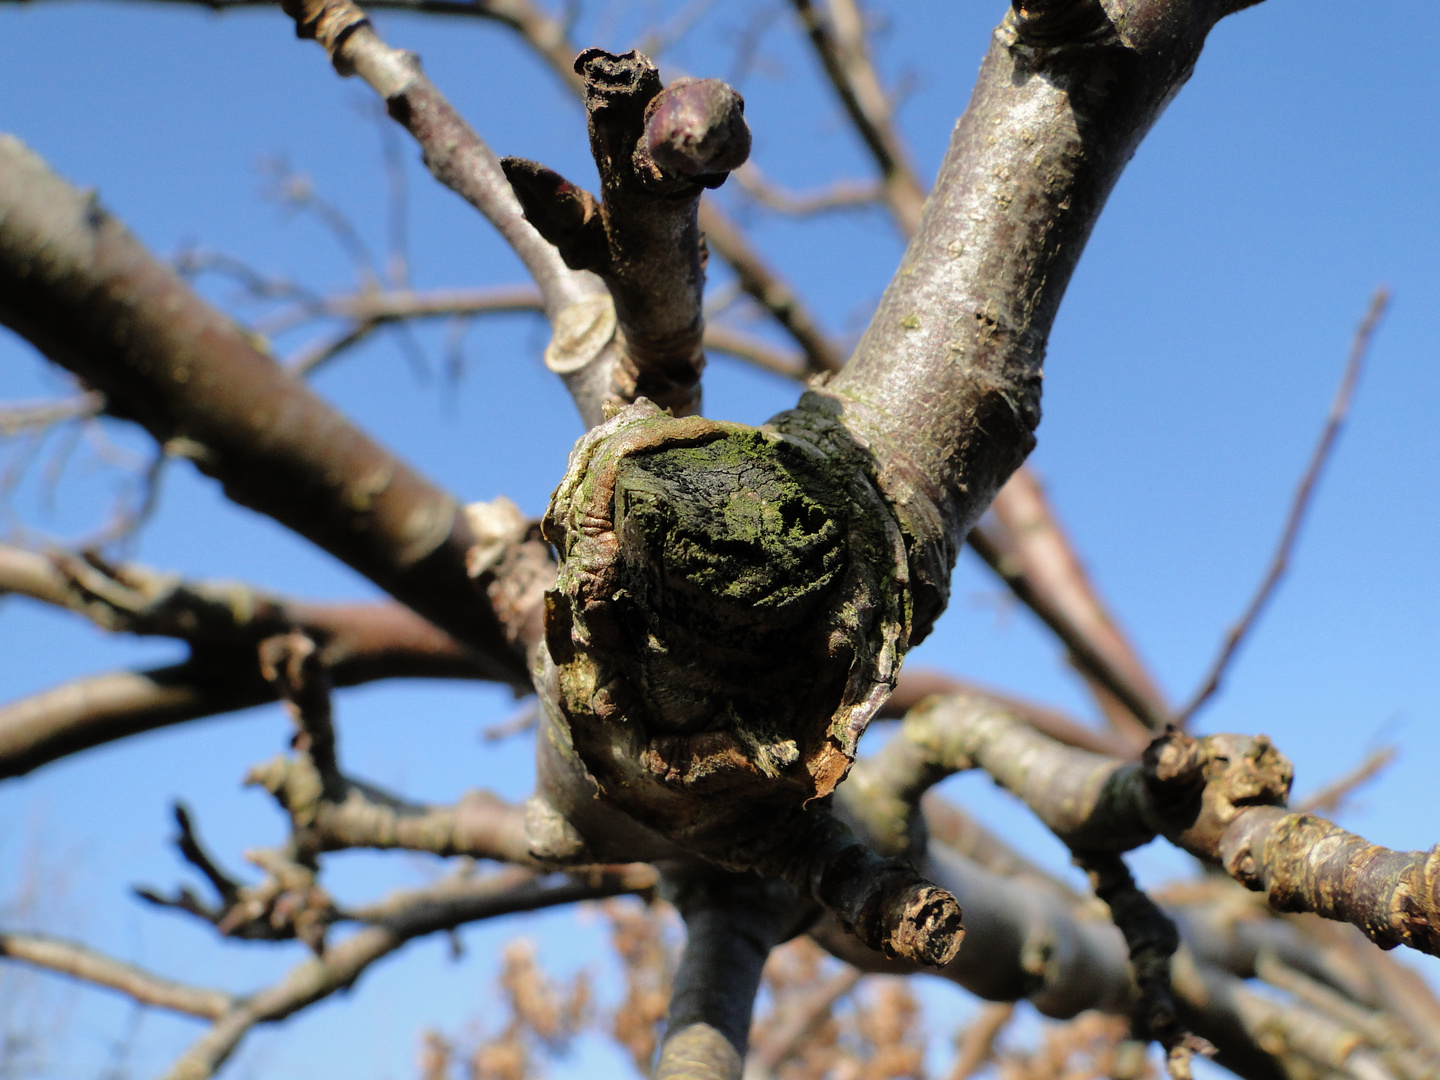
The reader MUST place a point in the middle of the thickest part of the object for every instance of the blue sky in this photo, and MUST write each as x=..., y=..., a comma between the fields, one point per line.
x=1192, y=364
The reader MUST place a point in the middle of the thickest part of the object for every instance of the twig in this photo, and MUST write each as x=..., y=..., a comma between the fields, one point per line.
x=772, y=292
x=406, y=916
x=1084, y=653
x=1035, y=548
x=1328, y=799
x=1300, y=503
x=1221, y=798
x=841, y=44
x=22, y=416
x=461, y=160
x=315, y=356
x=841, y=195
x=79, y=962
x=796, y=1022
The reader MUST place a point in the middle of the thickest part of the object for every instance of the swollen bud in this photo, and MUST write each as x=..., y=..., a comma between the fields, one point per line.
x=696, y=128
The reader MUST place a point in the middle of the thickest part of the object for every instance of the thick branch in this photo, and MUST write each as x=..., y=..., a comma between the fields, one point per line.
x=80, y=287
x=361, y=643
x=944, y=386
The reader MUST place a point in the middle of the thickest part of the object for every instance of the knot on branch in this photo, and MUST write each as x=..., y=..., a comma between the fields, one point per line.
x=730, y=612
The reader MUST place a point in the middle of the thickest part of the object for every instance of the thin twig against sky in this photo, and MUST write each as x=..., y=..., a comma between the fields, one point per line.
x=1299, y=505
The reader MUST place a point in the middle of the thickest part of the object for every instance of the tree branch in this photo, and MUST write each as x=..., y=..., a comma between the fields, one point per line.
x=842, y=45
x=91, y=298
x=944, y=386
x=731, y=923
x=583, y=350
x=657, y=150
x=1280, y=561
x=362, y=643
x=1221, y=798
x=392, y=924
x=86, y=965
x=1040, y=565
x=1105, y=659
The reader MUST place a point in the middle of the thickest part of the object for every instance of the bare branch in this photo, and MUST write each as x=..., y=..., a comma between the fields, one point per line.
x=1038, y=562
x=450, y=903
x=79, y=962
x=316, y=355
x=21, y=416
x=86, y=292
x=944, y=386
x=584, y=349
x=917, y=684
x=1152, y=940
x=1329, y=799
x=657, y=150
x=1221, y=798
x=841, y=195
x=371, y=311
x=975, y=1043
x=362, y=643
x=774, y=294
x=796, y=1022
x=1280, y=561
x=841, y=43
x=1102, y=667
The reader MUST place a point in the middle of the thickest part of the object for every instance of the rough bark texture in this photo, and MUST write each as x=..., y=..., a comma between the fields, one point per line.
x=1221, y=798
x=732, y=604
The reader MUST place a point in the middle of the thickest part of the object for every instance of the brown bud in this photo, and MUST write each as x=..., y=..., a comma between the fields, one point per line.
x=696, y=127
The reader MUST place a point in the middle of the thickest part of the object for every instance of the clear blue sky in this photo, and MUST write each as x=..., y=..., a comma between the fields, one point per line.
x=1190, y=369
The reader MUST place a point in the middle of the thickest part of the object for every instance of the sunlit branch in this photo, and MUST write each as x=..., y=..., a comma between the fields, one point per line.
x=1102, y=667
x=796, y=1022
x=1221, y=798
x=101, y=305
x=364, y=642
x=841, y=195
x=87, y=965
